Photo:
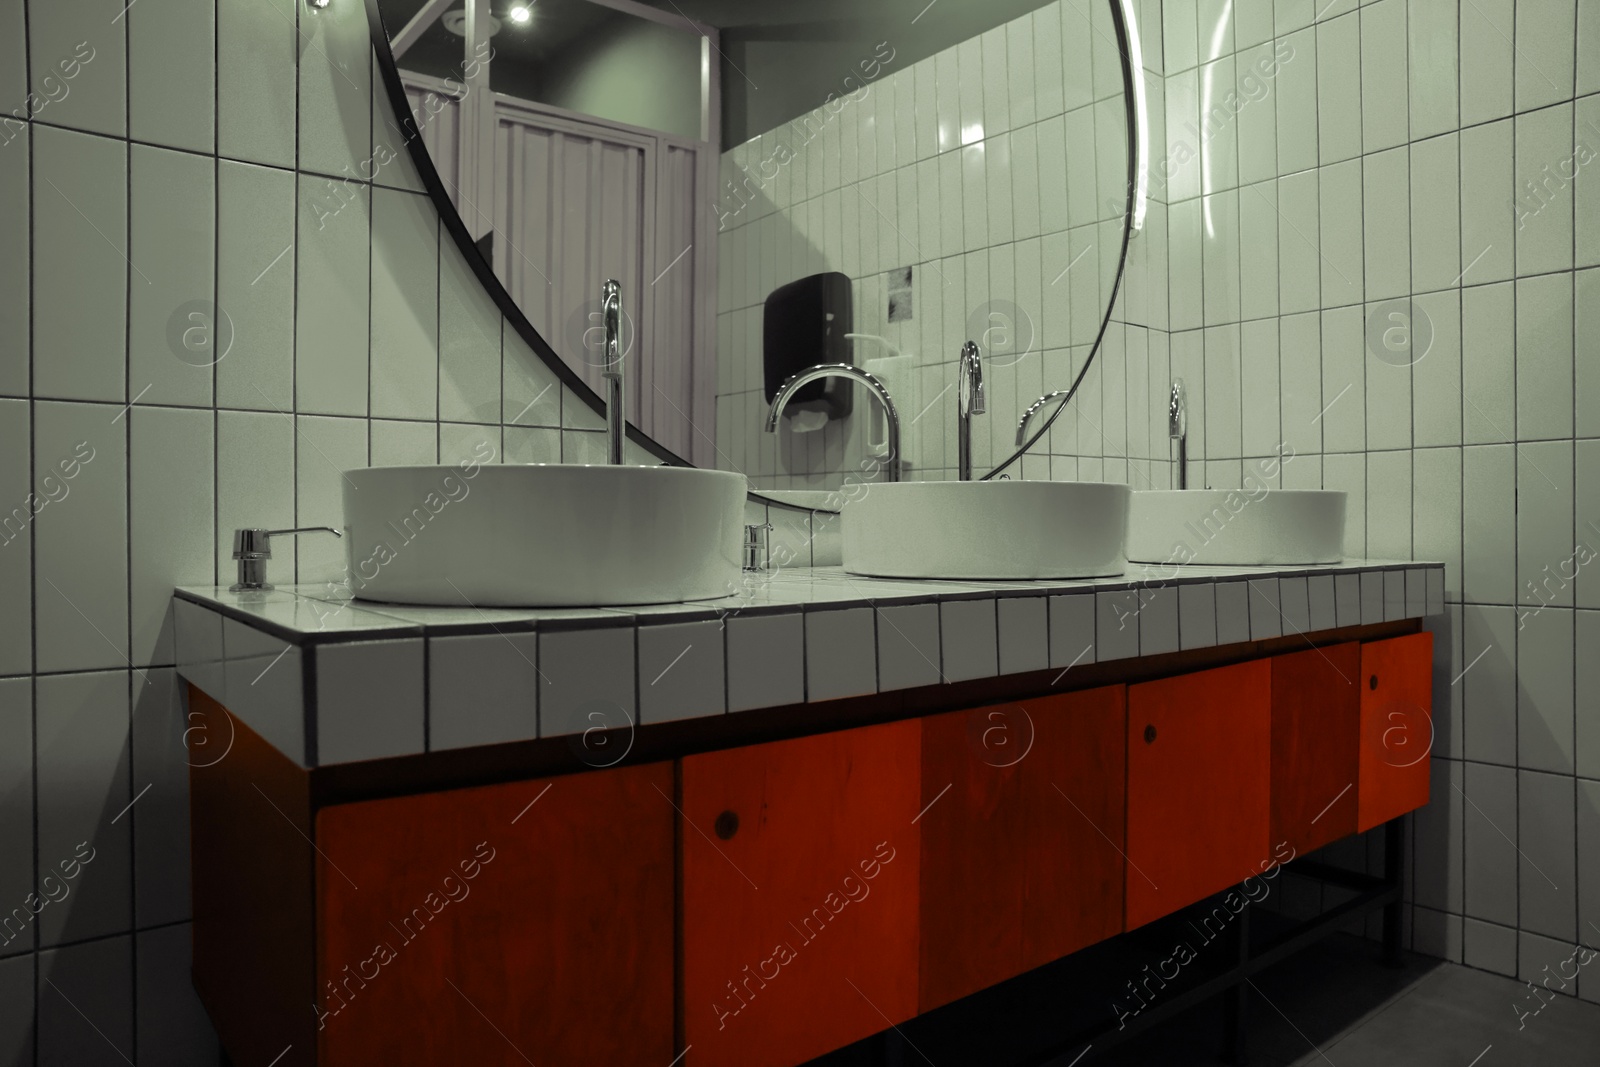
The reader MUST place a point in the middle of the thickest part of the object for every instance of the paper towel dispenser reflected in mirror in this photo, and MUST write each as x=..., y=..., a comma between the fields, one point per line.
x=805, y=323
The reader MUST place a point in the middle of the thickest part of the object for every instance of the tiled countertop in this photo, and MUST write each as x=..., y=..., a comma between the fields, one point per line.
x=331, y=680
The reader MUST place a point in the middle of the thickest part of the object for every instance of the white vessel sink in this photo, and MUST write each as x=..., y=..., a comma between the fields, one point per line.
x=997, y=530
x=542, y=535
x=1236, y=528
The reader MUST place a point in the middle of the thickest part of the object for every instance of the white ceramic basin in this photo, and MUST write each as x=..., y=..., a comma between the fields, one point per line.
x=995, y=530
x=1236, y=528
x=542, y=535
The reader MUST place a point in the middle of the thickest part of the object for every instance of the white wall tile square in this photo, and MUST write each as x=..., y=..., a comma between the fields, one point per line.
x=16, y=805
x=174, y=336
x=1116, y=624
x=1024, y=634
x=1491, y=853
x=908, y=646
x=1385, y=75
x=161, y=758
x=1339, y=88
x=1488, y=227
x=1545, y=53
x=1542, y=197
x=765, y=661
x=1545, y=727
x=483, y=689
x=405, y=306
x=333, y=257
x=83, y=785
x=15, y=275
x=171, y=74
x=1158, y=621
x=81, y=540
x=335, y=89
x=90, y=38
x=257, y=94
x=84, y=982
x=171, y=471
x=80, y=245
x=256, y=284
x=1072, y=630
x=369, y=700
x=840, y=654
x=16, y=539
x=970, y=639
x=13, y=60
x=681, y=672
x=255, y=485
x=324, y=449
x=469, y=345
x=1546, y=831
x=1487, y=29
x=172, y=1024
x=1489, y=524
x=1488, y=680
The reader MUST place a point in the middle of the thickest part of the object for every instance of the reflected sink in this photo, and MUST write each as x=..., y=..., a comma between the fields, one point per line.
x=542, y=535
x=998, y=530
x=1236, y=527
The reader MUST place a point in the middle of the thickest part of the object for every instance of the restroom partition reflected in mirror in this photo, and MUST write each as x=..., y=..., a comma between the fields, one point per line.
x=948, y=173
x=568, y=136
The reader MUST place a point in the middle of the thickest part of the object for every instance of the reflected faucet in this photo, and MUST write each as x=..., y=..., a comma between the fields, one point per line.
x=616, y=411
x=844, y=370
x=1178, y=430
x=1034, y=409
x=969, y=402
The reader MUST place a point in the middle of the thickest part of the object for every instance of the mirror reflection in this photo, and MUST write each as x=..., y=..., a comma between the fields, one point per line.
x=919, y=210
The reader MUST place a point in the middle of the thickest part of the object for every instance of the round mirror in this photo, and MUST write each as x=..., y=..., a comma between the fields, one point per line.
x=785, y=185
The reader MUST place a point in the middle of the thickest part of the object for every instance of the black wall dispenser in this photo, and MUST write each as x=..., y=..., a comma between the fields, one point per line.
x=804, y=323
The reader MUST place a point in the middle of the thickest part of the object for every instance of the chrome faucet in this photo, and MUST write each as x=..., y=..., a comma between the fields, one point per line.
x=844, y=370
x=1178, y=430
x=616, y=410
x=1034, y=409
x=969, y=402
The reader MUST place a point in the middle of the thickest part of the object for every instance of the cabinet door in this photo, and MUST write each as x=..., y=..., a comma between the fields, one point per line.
x=1316, y=726
x=1199, y=785
x=1021, y=839
x=799, y=891
x=502, y=925
x=1396, y=727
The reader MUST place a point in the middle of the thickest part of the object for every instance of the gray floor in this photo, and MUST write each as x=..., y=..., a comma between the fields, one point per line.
x=1333, y=1006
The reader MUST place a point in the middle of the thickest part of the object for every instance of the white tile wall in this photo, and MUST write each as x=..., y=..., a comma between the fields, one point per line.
x=239, y=113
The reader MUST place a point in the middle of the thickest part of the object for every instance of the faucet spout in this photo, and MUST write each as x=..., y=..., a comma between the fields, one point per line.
x=969, y=402
x=616, y=394
x=1034, y=409
x=844, y=370
x=1178, y=430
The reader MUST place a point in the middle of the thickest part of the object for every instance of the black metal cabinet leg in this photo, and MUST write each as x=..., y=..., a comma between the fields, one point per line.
x=892, y=1051
x=1394, y=873
x=1236, y=1001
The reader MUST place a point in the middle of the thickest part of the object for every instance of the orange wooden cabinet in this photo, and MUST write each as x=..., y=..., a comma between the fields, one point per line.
x=1021, y=837
x=499, y=925
x=1199, y=786
x=1396, y=727
x=799, y=894
x=1316, y=727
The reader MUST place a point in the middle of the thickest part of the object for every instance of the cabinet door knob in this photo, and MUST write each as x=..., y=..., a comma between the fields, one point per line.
x=1149, y=734
x=727, y=825
x=1372, y=682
